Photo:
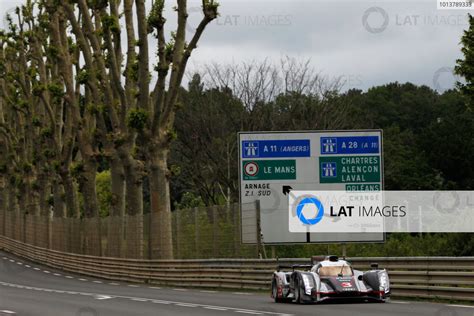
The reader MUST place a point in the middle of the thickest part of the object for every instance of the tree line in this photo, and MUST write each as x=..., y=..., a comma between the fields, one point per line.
x=79, y=90
x=428, y=136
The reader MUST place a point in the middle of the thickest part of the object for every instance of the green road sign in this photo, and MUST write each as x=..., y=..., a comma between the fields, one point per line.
x=269, y=169
x=349, y=169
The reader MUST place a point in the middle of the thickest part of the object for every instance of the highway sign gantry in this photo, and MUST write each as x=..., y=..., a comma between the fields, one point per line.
x=274, y=163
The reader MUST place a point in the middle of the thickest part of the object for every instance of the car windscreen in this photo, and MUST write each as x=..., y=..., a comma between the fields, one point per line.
x=335, y=270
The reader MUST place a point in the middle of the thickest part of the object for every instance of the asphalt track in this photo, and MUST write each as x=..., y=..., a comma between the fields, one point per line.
x=30, y=289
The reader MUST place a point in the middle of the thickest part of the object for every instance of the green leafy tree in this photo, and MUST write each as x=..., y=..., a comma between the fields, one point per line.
x=465, y=66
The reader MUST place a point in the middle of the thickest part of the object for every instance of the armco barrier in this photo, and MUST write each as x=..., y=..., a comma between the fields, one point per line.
x=424, y=277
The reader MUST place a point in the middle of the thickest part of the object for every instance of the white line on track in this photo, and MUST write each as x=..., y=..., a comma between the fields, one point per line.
x=240, y=293
x=216, y=308
x=464, y=306
x=160, y=302
x=187, y=305
x=154, y=287
x=7, y=312
x=142, y=299
x=132, y=285
x=69, y=277
x=102, y=297
x=182, y=290
x=98, y=282
x=205, y=291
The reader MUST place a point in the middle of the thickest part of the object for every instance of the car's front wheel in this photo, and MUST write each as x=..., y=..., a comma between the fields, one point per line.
x=298, y=298
x=275, y=292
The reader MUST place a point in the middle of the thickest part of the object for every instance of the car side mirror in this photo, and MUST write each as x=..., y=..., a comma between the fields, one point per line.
x=374, y=265
x=359, y=278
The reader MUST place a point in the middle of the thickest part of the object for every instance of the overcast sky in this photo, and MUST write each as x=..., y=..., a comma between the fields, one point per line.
x=366, y=43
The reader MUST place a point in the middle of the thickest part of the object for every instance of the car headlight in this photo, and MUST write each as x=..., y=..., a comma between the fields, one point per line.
x=384, y=281
x=308, y=284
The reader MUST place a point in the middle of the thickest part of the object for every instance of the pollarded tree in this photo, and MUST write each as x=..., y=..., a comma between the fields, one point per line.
x=137, y=119
x=27, y=110
x=173, y=57
x=33, y=87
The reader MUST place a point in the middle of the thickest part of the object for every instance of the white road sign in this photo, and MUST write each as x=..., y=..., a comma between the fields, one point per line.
x=272, y=164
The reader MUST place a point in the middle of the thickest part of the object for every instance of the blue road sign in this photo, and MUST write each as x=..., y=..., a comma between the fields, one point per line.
x=276, y=148
x=350, y=145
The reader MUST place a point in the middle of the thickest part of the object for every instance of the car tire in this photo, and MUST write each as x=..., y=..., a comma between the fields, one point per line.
x=298, y=299
x=275, y=292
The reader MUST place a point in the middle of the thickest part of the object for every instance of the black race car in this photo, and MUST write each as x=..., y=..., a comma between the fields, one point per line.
x=329, y=278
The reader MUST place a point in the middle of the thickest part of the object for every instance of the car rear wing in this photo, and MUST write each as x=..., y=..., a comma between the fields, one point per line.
x=293, y=267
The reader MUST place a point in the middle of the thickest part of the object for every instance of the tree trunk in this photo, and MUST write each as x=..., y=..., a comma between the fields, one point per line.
x=87, y=186
x=134, y=188
x=160, y=232
x=118, y=187
x=12, y=209
x=72, y=206
x=33, y=207
x=3, y=205
x=18, y=207
x=70, y=194
x=133, y=203
x=59, y=208
x=44, y=194
x=116, y=230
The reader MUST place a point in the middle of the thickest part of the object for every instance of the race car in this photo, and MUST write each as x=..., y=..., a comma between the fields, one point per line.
x=328, y=279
